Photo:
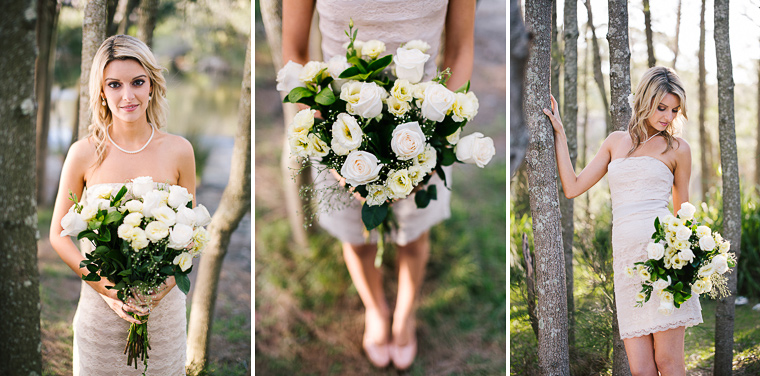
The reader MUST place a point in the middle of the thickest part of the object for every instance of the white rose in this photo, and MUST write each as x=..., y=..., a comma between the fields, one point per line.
x=661, y=284
x=678, y=263
x=358, y=44
x=350, y=92
x=88, y=212
x=666, y=308
x=408, y=141
x=179, y=196
x=668, y=219
x=287, y=77
x=641, y=297
x=134, y=206
x=180, y=236
x=141, y=186
x=202, y=217
x=396, y=107
x=454, y=137
x=465, y=107
x=72, y=224
x=402, y=90
x=360, y=168
x=681, y=244
x=698, y=287
x=165, y=214
x=437, y=102
x=706, y=270
x=720, y=262
x=133, y=219
x=418, y=91
x=630, y=272
x=347, y=134
x=724, y=247
x=102, y=191
x=370, y=103
x=703, y=231
x=399, y=183
x=151, y=200
x=184, y=260
x=302, y=122
x=410, y=64
x=185, y=216
x=139, y=239
x=655, y=251
x=707, y=243
x=335, y=66
x=316, y=148
x=102, y=204
x=673, y=226
x=200, y=238
x=427, y=159
x=372, y=48
x=299, y=144
x=686, y=255
x=312, y=72
x=683, y=233
x=687, y=211
x=416, y=44
x=416, y=173
x=475, y=149
x=156, y=231
x=376, y=194
x=124, y=231
x=644, y=274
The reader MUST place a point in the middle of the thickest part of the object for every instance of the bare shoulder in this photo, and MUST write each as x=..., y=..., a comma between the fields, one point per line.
x=615, y=139
x=178, y=146
x=681, y=148
x=82, y=152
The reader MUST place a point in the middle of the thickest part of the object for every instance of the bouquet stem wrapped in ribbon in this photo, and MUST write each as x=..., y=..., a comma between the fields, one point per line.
x=385, y=134
x=141, y=236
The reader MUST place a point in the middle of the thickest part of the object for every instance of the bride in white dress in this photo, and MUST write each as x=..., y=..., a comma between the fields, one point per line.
x=125, y=141
x=393, y=22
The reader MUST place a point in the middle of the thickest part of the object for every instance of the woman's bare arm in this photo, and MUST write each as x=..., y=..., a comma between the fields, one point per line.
x=459, y=44
x=681, y=175
x=296, y=24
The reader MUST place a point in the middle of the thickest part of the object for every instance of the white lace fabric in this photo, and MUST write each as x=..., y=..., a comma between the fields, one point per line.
x=640, y=189
x=100, y=335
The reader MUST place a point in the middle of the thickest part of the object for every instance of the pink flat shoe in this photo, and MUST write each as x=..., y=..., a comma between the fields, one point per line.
x=378, y=355
x=403, y=356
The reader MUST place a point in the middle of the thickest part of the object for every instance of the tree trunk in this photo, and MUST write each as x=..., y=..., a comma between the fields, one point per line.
x=704, y=141
x=620, y=110
x=570, y=118
x=93, y=34
x=598, y=77
x=47, y=19
x=19, y=279
x=110, y=14
x=147, y=21
x=553, y=357
x=126, y=7
x=584, y=137
x=678, y=34
x=647, y=30
x=724, y=311
x=530, y=281
x=519, y=40
x=236, y=201
x=556, y=61
x=757, y=145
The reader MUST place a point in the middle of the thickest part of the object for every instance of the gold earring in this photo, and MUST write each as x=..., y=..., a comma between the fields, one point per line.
x=103, y=102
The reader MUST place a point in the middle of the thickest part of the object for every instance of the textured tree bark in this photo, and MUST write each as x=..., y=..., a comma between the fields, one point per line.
x=724, y=311
x=556, y=61
x=47, y=19
x=530, y=281
x=110, y=14
x=126, y=7
x=553, y=356
x=147, y=21
x=570, y=120
x=757, y=145
x=518, y=56
x=648, y=31
x=584, y=94
x=598, y=77
x=705, y=153
x=678, y=34
x=236, y=201
x=93, y=34
x=19, y=279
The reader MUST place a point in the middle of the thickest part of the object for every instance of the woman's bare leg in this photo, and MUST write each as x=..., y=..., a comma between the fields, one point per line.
x=640, y=351
x=669, y=352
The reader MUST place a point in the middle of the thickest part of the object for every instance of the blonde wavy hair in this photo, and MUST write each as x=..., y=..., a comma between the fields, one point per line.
x=654, y=85
x=123, y=47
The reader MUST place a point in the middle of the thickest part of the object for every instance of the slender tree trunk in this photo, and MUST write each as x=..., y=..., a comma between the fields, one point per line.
x=570, y=117
x=93, y=34
x=530, y=281
x=147, y=21
x=757, y=145
x=236, y=201
x=518, y=57
x=678, y=34
x=553, y=356
x=724, y=311
x=47, y=19
x=705, y=148
x=556, y=61
x=598, y=77
x=648, y=31
x=110, y=14
x=19, y=279
x=126, y=7
x=584, y=149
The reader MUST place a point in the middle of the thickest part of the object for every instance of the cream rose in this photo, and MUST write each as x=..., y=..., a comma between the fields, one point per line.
x=165, y=214
x=180, y=236
x=372, y=48
x=686, y=255
x=683, y=233
x=151, y=200
x=124, y=231
x=370, y=103
x=416, y=44
x=347, y=134
x=287, y=77
x=724, y=247
x=465, y=107
x=179, y=196
x=630, y=272
x=707, y=243
x=350, y=92
x=335, y=66
x=427, y=159
x=185, y=216
x=200, y=238
x=184, y=260
x=141, y=186
x=453, y=138
x=416, y=173
x=703, y=231
x=410, y=64
x=101, y=191
x=706, y=270
x=312, y=72
x=202, y=217
x=666, y=304
x=687, y=211
x=360, y=168
x=317, y=148
x=641, y=297
x=655, y=251
x=720, y=262
x=399, y=183
x=644, y=274
x=402, y=90
x=139, y=239
x=661, y=284
x=133, y=219
x=299, y=145
x=408, y=141
x=397, y=107
x=437, y=102
x=698, y=287
x=134, y=206
x=88, y=212
x=302, y=122
x=475, y=149
x=156, y=231
x=377, y=194
x=72, y=224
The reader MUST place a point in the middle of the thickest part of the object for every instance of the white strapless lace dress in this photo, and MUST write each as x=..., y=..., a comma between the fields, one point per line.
x=393, y=22
x=100, y=335
x=640, y=188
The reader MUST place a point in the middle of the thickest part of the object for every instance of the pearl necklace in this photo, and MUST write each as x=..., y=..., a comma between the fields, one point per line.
x=152, y=132
x=645, y=141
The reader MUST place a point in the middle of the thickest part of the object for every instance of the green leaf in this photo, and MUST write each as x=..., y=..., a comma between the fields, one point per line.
x=381, y=63
x=464, y=88
x=167, y=270
x=119, y=195
x=349, y=72
x=94, y=277
x=87, y=234
x=125, y=273
x=297, y=94
x=448, y=157
x=373, y=216
x=423, y=197
x=325, y=97
x=183, y=282
x=112, y=217
x=105, y=237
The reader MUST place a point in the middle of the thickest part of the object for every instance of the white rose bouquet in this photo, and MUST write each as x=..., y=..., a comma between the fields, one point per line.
x=386, y=134
x=141, y=236
x=685, y=258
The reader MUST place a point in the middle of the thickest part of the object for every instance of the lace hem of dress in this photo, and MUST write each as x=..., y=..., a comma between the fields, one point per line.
x=660, y=328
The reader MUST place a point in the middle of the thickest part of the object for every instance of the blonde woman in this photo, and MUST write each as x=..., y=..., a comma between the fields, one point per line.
x=125, y=141
x=645, y=165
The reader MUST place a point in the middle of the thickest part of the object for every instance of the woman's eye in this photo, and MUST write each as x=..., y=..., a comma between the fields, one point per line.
x=661, y=108
x=114, y=85
x=139, y=82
